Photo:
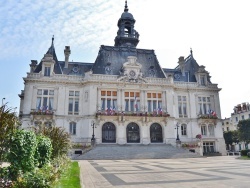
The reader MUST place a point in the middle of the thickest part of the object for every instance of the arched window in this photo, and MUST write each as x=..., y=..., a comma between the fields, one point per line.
x=72, y=128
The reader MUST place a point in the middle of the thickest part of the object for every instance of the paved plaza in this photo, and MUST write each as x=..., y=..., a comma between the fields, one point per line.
x=211, y=172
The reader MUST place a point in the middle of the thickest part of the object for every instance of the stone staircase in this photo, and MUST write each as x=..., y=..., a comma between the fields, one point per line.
x=134, y=151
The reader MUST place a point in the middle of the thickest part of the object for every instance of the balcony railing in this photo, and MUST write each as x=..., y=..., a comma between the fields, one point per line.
x=42, y=112
x=207, y=116
x=143, y=114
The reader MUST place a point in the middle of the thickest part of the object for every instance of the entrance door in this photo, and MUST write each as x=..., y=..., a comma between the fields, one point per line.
x=108, y=133
x=156, y=133
x=133, y=133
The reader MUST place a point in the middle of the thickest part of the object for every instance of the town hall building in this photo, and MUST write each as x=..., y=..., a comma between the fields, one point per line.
x=125, y=96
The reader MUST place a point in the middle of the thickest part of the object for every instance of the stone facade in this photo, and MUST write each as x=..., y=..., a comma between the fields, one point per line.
x=240, y=112
x=124, y=97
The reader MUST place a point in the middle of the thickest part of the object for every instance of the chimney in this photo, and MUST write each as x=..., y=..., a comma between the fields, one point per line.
x=181, y=64
x=67, y=53
x=33, y=65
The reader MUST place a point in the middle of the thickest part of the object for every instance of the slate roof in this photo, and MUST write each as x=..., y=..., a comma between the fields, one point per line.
x=110, y=60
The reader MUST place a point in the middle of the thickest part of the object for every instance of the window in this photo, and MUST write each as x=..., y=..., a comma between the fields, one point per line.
x=204, y=130
x=223, y=129
x=46, y=71
x=132, y=101
x=37, y=123
x=184, y=129
x=211, y=130
x=154, y=101
x=44, y=101
x=208, y=147
x=73, y=102
x=236, y=119
x=182, y=106
x=203, y=82
x=72, y=128
x=109, y=100
x=227, y=128
x=48, y=124
x=242, y=117
x=204, y=105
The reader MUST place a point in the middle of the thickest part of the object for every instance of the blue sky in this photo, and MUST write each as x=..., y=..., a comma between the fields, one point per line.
x=217, y=31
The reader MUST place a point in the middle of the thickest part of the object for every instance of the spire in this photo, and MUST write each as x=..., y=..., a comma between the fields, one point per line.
x=126, y=6
x=51, y=49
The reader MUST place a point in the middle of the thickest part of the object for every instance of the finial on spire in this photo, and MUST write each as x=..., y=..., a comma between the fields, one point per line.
x=126, y=6
x=52, y=39
x=191, y=51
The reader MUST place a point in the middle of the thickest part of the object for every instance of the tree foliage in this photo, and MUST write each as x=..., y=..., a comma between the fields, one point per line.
x=8, y=124
x=43, y=151
x=22, y=146
x=60, y=139
x=231, y=137
x=244, y=130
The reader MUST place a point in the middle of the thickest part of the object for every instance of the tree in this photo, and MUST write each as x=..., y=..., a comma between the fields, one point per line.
x=8, y=124
x=244, y=131
x=231, y=137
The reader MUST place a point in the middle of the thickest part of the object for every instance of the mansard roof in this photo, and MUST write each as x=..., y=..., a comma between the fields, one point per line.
x=190, y=68
x=110, y=60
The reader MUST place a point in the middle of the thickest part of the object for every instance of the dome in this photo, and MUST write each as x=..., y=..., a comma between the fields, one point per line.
x=127, y=15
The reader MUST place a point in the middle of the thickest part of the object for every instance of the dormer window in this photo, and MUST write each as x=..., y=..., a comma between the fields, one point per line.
x=46, y=71
x=203, y=81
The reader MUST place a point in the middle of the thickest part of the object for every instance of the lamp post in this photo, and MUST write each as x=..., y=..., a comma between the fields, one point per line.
x=3, y=100
x=93, y=135
x=177, y=126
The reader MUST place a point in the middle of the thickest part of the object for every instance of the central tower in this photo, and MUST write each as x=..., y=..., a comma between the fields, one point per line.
x=126, y=35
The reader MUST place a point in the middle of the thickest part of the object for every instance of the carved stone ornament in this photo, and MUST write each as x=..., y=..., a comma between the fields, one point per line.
x=131, y=71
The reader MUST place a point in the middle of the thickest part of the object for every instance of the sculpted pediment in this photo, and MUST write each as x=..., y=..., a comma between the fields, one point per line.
x=131, y=71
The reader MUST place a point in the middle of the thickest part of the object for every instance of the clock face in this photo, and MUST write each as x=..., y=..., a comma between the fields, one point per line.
x=132, y=73
x=75, y=69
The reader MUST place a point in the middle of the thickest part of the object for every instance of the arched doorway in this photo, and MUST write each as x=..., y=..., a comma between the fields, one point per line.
x=133, y=133
x=108, y=133
x=156, y=133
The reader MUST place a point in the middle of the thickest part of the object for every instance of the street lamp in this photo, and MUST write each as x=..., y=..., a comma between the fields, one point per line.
x=177, y=126
x=93, y=126
x=3, y=100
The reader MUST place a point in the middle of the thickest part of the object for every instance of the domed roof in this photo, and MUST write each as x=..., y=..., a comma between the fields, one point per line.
x=127, y=15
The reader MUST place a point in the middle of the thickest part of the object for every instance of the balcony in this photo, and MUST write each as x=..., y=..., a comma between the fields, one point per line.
x=128, y=116
x=207, y=119
x=42, y=114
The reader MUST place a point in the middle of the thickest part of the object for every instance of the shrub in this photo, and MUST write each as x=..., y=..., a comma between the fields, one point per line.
x=38, y=178
x=43, y=151
x=60, y=139
x=248, y=154
x=5, y=177
x=22, y=151
x=244, y=152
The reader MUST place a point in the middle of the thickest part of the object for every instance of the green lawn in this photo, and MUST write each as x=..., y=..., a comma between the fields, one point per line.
x=70, y=178
x=244, y=157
